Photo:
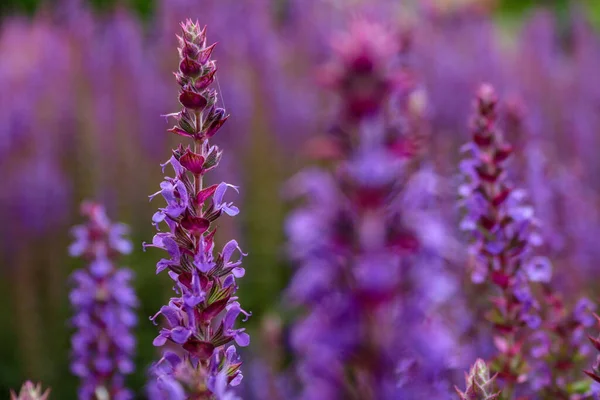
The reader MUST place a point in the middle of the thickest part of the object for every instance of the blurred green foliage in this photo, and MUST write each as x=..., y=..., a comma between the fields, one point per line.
x=143, y=7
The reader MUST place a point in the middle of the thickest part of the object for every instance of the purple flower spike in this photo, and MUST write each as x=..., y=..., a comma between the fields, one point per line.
x=350, y=243
x=103, y=344
x=201, y=319
x=502, y=230
x=538, y=340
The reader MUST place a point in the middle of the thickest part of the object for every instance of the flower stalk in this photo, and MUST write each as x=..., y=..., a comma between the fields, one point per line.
x=503, y=236
x=348, y=240
x=103, y=344
x=201, y=319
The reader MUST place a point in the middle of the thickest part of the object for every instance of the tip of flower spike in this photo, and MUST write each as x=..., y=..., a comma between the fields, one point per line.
x=486, y=94
x=366, y=43
x=191, y=33
x=30, y=391
x=360, y=72
x=479, y=384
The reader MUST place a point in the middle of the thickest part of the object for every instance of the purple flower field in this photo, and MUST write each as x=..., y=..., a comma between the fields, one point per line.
x=414, y=185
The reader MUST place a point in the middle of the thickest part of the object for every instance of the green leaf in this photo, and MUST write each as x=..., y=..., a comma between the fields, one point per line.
x=579, y=387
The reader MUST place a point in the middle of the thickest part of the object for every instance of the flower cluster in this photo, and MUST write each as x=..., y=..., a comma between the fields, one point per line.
x=538, y=338
x=348, y=240
x=201, y=319
x=29, y=391
x=174, y=377
x=503, y=234
x=557, y=350
x=480, y=386
x=103, y=299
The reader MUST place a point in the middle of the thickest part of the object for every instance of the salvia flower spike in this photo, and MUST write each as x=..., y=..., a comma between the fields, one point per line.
x=103, y=344
x=30, y=391
x=503, y=235
x=201, y=319
x=480, y=385
x=348, y=240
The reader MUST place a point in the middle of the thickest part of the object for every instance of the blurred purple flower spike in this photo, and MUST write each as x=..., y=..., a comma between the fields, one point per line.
x=103, y=345
x=350, y=241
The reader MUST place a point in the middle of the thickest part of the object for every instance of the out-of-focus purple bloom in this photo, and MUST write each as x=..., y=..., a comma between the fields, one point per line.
x=539, y=269
x=558, y=349
x=351, y=242
x=30, y=391
x=103, y=344
x=201, y=320
x=583, y=312
x=540, y=344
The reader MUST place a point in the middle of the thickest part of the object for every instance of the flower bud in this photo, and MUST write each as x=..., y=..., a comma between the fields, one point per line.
x=192, y=100
x=216, y=118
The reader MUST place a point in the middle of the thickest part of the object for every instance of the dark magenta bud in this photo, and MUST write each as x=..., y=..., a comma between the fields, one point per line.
x=204, y=81
x=189, y=50
x=192, y=162
x=200, y=349
x=501, y=197
x=214, y=309
x=205, y=194
x=482, y=139
x=205, y=54
x=195, y=225
x=503, y=153
x=190, y=68
x=216, y=118
x=192, y=100
x=487, y=223
x=486, y=175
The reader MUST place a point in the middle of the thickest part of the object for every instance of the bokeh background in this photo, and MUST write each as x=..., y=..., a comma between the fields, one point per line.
x=83, y=85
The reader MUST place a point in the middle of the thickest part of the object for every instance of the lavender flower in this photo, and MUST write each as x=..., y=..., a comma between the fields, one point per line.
x=502, y=231
x=201, y=319
x=29, y=391
x=480, y=386
x=103, y=299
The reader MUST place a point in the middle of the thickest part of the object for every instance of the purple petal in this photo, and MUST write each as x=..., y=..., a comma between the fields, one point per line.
x=180, y=334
